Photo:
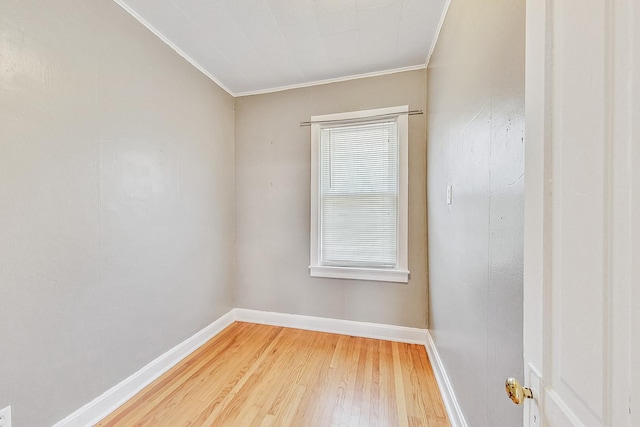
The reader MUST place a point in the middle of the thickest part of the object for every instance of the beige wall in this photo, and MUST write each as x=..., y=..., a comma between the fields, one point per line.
x=272, y=204
x=476, y=142
x=116, y=203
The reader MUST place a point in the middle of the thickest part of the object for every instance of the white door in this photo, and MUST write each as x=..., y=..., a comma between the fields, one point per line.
x=582, y=213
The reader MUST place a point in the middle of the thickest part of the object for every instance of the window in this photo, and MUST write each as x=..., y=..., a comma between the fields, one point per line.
x=359, y=195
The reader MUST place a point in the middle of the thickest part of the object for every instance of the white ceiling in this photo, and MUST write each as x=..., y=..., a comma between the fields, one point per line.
x=253, y=46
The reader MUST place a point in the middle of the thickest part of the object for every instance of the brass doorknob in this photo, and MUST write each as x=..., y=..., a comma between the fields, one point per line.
x=516, y=392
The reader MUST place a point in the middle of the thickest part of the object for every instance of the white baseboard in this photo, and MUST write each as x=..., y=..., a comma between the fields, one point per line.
x=456, y=418
x=336, y=326
x=109, y=401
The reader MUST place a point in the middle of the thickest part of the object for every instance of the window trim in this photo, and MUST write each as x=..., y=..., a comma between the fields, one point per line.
x=400, y=273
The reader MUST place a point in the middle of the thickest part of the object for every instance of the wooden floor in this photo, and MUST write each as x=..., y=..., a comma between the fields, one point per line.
x=258, y=375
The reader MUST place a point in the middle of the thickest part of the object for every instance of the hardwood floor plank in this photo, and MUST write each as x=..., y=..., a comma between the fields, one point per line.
x=258, y=375
x=374, y=397
x=350, y=396
x=268, y=420
x=401, y=403
x=367, y=379
x=387, y=401
x=340, y=380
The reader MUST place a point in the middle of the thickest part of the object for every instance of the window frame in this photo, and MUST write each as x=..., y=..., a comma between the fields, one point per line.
x=399, y=273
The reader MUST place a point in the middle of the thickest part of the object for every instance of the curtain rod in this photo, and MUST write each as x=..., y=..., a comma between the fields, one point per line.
x=411, y=113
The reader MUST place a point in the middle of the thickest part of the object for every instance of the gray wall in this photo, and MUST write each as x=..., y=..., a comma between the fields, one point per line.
x=475, y=143
x=116, y=203
x=273, y=196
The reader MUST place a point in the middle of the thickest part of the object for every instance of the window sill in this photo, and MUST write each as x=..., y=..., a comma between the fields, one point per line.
x=379, y=275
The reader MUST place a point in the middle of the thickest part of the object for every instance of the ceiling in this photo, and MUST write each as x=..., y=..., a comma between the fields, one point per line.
x=254, y=46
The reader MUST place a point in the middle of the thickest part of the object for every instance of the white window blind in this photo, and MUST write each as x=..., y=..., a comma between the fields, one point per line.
x=359, y=195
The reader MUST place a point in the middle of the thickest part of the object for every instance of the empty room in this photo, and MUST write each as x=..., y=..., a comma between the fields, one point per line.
x=316, y=213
